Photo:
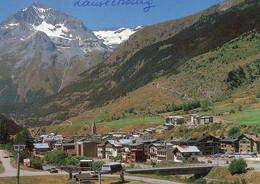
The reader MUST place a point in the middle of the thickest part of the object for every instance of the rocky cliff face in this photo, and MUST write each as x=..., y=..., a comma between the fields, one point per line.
x=42, y=50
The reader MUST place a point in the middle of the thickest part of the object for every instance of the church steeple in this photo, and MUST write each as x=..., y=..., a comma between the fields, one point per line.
x=93, y=128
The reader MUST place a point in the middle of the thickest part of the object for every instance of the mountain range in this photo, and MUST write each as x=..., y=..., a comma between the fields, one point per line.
x=178, y=49
x=42, y=50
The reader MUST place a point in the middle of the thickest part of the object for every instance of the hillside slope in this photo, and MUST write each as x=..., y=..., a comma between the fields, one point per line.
x=109, y=81
x=203, y=77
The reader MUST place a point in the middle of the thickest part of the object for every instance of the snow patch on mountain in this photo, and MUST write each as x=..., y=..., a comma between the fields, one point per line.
x=52, y=31
x=114, y=37
x=10, y=26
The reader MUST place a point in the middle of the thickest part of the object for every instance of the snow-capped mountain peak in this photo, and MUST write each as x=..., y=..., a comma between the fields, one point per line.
x=45, y=42
x=114, y=37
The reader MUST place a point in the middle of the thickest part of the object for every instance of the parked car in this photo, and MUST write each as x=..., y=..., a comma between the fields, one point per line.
x=231, y=156
x=224, y=156
x=250, y=168
x=53, y=170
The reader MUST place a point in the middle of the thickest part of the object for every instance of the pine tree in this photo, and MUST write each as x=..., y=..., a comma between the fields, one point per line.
x=4, y=135
x=24, y=138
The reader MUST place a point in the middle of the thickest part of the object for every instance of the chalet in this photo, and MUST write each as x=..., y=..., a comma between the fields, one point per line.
x=147, y=143
x=165, y=154
x=133, y=152
x=207, y=144
x=153, y=151
x=182, y=141
x=194, y=119
x=175, y=120
x=112, y=149
x=161, y=148
x=249, y=143
x=172, y=121
x=168, y=126
x=51, y=139
x=229, y=145
x=186, y=154
x=206, y=120
x=41, y=148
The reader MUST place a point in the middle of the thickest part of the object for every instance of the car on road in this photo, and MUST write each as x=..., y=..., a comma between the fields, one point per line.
x=250, y=168
x=231, y=156
x=53, y=170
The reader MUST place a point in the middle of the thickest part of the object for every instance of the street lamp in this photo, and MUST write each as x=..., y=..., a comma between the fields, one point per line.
x=18, y=148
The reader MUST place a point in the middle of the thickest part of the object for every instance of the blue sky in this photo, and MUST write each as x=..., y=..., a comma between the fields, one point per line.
x=109, y=15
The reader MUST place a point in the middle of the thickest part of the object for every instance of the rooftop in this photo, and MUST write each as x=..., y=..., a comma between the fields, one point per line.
x=188, y=149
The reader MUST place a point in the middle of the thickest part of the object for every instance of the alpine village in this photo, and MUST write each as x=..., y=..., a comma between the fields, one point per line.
x=170, y=103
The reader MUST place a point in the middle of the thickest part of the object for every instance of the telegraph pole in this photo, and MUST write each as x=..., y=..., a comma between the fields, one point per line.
x=18, y=148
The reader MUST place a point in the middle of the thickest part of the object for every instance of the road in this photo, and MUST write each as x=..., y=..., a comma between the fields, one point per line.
x=11, y=171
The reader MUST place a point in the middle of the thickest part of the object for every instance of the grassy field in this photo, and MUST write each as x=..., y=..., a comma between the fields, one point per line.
x=249, y=116
x=151, y=121
x=36, y=179
x=56, y=179
x=222, y=173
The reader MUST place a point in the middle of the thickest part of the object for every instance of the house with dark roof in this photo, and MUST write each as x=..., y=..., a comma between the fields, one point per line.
x=153, y=151
x=41, y=147
x=172, y=121
x=194, y=119
x=207, y=144
x=165, y=154
x=182, y=141
x=159, y=151
x=229, y=145
x=133, y=152
x=249, y=143
x=206, y=120
x=113, y=149
x=186, y=154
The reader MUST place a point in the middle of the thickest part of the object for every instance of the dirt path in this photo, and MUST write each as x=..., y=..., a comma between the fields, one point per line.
x=11, y=171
